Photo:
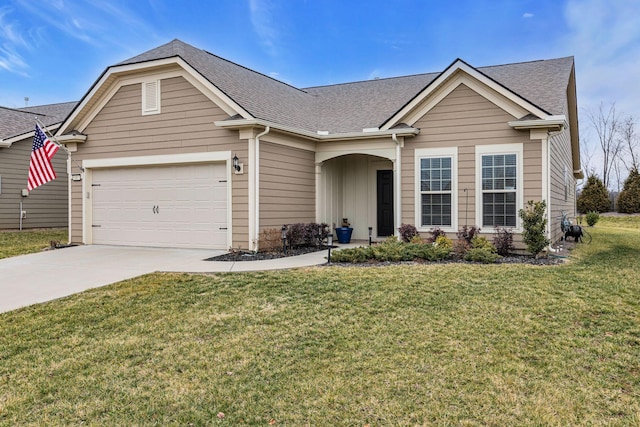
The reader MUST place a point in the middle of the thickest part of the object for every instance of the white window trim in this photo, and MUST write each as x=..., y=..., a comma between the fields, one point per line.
x=496, y=149
x=154, y=109
x=421, y=153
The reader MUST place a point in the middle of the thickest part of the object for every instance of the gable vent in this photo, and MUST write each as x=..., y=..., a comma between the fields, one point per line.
x=151, y=97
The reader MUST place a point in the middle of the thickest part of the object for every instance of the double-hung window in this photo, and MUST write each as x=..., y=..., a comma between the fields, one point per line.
x=435, y=188
x=500, y=182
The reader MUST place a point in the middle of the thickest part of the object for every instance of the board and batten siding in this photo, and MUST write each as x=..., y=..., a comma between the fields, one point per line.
x=47, y=205
x=185, y=125
x=465, y=119
x=287, y=185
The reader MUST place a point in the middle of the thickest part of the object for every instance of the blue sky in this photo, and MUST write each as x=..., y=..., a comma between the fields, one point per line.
x=53, y=50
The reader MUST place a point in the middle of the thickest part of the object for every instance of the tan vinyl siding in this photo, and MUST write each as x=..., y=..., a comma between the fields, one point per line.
x=560, y=158
x=465, y=119
x=287, y=185
x=185, y=125
x=47, y=205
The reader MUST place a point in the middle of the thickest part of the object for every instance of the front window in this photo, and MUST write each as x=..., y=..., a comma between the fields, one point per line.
x=435, y=201
x=499, y=185
x=435, y=189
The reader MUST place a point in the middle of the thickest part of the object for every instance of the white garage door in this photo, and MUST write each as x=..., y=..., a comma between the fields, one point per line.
x=182, y=206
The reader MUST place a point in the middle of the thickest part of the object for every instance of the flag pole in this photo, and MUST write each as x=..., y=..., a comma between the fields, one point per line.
x=55, y=141
x=70, y=159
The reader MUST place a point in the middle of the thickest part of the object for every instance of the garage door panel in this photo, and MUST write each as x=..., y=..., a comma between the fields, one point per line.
x=171, y=206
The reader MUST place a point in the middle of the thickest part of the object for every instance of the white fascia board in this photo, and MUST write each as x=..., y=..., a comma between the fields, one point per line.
x=120, y=72
x=4, y=144
x=314, y=135
x=559, y=122
x=457, y=67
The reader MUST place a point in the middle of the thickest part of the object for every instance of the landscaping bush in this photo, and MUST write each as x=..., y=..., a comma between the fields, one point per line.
x=460, y=248
x=483, y=255
x=594, y=197
x=534, y=223
x=503, y=241
x=443, y=242
x=435, y=233
x=407, y=232
x=306, y=234
x=629, y=198
x=592, y=218
x=352, y=255
x=468, y=233
x=390, y=249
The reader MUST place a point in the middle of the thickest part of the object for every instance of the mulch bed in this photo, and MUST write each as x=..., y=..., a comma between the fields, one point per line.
x=259, y=256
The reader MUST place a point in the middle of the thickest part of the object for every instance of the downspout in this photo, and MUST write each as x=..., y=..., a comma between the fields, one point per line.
x=257, y=187
x=547, y=171
x=69, y=195
x=398, y=186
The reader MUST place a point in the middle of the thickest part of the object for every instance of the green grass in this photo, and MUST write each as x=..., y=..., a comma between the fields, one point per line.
x=469, y=345
x=14, y=243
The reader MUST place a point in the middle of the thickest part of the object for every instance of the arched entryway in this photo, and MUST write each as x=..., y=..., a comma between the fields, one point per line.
x=359, y=187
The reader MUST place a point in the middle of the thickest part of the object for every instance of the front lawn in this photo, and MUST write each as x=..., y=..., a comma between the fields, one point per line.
x=451, y=344
x=13, y=243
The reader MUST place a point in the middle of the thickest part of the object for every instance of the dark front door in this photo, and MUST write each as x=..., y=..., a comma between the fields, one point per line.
x=385, y=202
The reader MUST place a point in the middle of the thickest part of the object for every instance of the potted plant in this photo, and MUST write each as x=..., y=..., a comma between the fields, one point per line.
x=344, y=233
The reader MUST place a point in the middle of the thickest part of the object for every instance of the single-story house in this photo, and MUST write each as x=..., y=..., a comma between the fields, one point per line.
x=47, y=205
x=157, y=136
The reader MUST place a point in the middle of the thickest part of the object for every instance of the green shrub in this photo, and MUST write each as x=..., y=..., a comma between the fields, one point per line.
x=481, y=242
x=592, y=218
x=390, y=249
x=629, y=198
x=352, y=255
x=484, y=255
x=594, y=197
x=443, y=242
x=534, y=223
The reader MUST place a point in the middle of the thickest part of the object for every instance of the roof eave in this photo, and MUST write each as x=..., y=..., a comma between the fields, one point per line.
x=550, y=122
x=319, y=135
x=8, y=142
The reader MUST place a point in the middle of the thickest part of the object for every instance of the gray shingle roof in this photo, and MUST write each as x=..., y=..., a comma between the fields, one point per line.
x=14, y=121
x=351, y=107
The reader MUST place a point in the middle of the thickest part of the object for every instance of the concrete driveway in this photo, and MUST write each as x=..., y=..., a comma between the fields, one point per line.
x=44, y=276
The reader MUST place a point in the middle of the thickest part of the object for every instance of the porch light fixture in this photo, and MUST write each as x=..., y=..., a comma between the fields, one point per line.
x=236, y=163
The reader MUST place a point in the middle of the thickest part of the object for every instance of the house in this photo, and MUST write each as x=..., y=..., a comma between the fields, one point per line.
x=45, y=206
x=157, y=136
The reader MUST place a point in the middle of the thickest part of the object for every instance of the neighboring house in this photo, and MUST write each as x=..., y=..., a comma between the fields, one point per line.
x=47, y=205
x=463, y=146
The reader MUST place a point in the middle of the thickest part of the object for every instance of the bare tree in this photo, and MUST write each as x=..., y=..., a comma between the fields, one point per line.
x=587, y=154
x=606, y=124
x=629, y=141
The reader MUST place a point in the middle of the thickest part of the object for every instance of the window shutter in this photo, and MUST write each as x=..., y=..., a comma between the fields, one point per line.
x=151, y=97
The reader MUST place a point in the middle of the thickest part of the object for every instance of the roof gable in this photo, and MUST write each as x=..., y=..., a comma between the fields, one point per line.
x=538, y=87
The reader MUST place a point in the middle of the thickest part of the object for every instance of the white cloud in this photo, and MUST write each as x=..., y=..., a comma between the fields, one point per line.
x=527, y=15
x=11, y=40
x=261, y=13
x=605, y=39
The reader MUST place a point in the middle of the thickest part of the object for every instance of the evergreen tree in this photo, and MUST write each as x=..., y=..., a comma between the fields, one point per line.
x=534, y=223
x=629, y=199
x=594, y=196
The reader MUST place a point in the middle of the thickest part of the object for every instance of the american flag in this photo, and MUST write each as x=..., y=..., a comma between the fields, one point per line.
x=40, y=168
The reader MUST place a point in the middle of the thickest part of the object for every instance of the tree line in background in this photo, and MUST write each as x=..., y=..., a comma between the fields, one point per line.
x=618, y=150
